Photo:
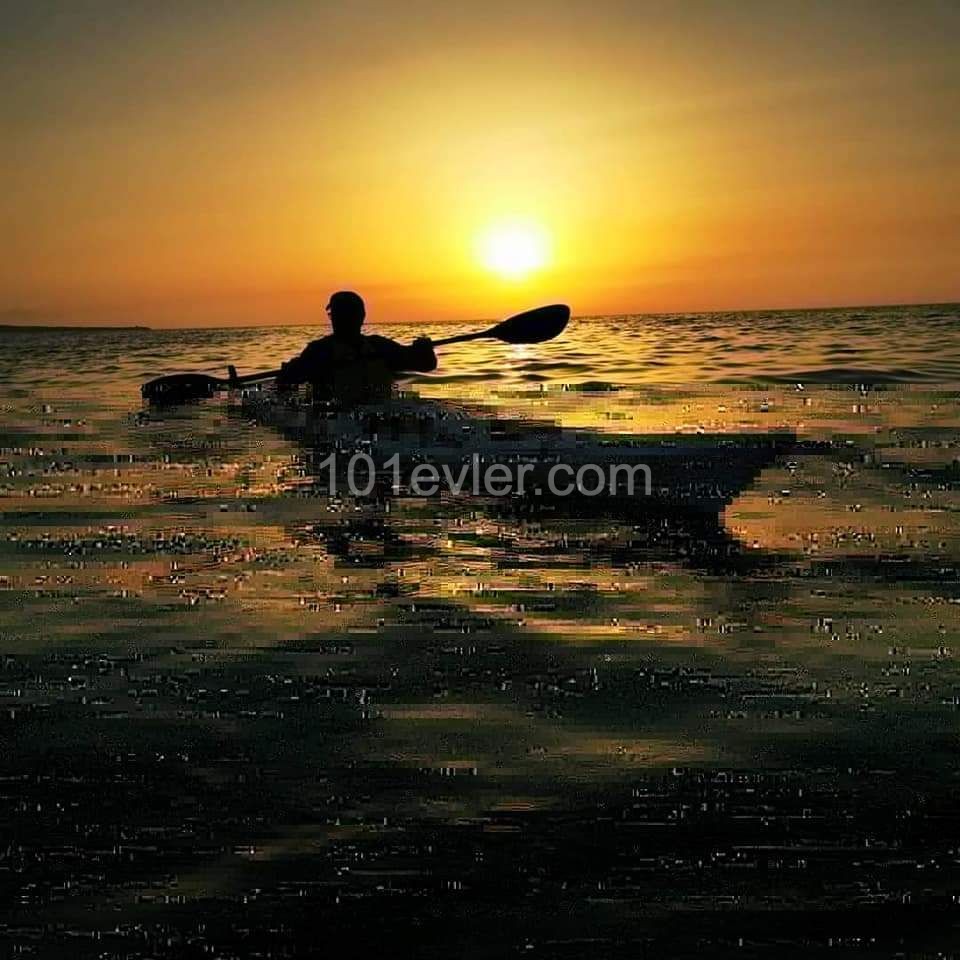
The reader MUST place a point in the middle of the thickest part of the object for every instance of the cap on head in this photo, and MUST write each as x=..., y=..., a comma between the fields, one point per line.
x=347, y=312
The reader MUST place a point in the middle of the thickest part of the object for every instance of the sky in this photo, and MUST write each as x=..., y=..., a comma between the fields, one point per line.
x=193, y=163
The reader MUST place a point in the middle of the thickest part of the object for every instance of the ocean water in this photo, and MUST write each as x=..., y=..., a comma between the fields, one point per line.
x=239, y=715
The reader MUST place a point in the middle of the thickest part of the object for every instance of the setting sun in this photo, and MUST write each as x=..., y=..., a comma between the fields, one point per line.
x=514, y=250
x=408, y=164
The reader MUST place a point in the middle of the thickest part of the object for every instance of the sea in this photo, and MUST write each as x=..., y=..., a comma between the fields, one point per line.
x=240, y=716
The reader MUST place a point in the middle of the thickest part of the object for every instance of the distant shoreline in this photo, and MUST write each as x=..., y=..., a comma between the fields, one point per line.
x=27, y=327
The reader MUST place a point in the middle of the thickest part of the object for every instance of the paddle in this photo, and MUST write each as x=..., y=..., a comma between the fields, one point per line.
x=531, y=326
x=181, y=387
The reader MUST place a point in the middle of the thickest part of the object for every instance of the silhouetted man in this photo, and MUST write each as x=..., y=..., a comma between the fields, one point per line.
x=347, y=365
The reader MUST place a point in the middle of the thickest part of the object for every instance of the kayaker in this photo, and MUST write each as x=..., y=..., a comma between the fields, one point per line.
x=348, y=365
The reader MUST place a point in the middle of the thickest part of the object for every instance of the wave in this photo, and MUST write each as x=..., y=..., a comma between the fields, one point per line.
x=851, y=375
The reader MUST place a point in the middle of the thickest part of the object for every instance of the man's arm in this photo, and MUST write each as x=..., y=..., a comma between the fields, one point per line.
x=298, y=370
x=419, y=357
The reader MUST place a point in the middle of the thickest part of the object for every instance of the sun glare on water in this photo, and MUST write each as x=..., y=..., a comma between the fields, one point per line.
x=514, y=250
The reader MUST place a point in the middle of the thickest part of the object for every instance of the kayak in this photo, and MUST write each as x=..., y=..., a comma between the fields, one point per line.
x=563, y=470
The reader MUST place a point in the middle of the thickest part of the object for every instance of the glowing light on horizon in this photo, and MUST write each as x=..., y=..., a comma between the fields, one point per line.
x=514, y=250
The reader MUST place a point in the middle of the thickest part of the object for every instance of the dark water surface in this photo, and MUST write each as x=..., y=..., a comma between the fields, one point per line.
x=238, y=717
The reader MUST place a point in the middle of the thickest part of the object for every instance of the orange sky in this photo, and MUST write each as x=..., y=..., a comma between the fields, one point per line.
x=195, y=163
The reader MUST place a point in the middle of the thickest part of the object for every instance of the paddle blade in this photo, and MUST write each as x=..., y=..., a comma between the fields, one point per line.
x=180, y=388
x=533, y=326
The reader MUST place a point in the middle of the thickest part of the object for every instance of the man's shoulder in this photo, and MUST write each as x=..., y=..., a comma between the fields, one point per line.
x=377, y=345
x=320, y=345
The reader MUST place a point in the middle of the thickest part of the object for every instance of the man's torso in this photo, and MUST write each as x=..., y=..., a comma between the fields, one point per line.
x=359, y=368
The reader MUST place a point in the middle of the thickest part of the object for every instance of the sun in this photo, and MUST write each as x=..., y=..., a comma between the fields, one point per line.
x=514, y=250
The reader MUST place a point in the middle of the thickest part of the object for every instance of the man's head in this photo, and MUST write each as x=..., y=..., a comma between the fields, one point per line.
x=346, y=312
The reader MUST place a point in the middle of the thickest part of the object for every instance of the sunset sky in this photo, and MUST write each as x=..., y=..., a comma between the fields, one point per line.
x=215, y=163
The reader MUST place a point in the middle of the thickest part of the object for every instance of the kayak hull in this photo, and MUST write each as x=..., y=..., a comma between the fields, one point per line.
x=625, y=474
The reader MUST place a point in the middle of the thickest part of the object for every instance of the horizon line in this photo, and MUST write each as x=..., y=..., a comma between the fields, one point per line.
x=577, y=316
